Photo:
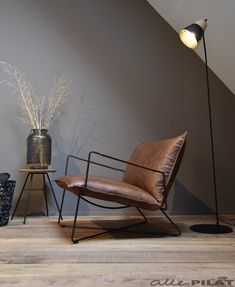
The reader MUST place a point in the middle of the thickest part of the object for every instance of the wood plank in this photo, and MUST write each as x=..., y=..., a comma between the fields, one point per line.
x=110, y=274
x=35, y=257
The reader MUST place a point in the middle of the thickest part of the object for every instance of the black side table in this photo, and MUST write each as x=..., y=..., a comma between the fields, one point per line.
x=29, y=178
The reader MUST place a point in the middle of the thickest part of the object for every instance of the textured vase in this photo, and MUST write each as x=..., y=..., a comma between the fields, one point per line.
x=38, y=149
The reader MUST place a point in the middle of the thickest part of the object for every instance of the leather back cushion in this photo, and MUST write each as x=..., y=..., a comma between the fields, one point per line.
x=165, y=156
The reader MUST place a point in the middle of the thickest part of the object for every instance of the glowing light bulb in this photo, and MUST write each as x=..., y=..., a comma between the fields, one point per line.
x=188, y=38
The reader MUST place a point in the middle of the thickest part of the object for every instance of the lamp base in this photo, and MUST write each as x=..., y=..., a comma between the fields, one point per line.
x=211, y=228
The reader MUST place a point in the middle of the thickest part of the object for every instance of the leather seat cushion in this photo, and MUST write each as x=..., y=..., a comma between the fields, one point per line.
x=109, y=190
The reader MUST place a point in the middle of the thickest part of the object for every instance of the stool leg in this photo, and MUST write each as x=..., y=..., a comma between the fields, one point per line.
x=22, y=191
x=52, y=190
x=45, y=192
x=28, y=197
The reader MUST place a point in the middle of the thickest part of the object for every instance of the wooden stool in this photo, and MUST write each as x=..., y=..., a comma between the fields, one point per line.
x=30, y=173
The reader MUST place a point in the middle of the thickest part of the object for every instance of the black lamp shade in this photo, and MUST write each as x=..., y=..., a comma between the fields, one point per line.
x=192, y=34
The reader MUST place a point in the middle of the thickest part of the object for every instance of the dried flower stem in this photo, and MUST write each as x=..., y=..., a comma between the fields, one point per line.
x=40, y=111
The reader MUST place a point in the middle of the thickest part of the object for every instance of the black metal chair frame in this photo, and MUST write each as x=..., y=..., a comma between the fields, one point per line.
x=89, y=162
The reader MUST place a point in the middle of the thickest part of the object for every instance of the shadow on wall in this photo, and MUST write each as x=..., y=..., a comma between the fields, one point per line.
x=80, y=133
x=185, y=202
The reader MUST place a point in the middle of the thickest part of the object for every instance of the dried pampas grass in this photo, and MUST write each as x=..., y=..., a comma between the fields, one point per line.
x=39, y=111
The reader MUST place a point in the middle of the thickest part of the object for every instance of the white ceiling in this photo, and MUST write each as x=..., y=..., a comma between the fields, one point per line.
x=219, y=35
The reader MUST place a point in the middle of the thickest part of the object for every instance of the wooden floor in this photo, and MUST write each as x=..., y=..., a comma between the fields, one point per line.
x=40, y=254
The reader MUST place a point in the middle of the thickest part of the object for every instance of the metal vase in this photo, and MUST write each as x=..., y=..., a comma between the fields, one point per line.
x=38, y=149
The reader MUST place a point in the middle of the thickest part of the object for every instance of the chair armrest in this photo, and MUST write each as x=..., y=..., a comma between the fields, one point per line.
x=123, y=161
x=93, y=162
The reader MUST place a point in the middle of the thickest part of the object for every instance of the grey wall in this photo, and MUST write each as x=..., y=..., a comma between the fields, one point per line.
x=132, y=79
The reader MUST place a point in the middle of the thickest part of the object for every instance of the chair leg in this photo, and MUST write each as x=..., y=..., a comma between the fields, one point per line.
x=61, y=208
x=74, y=226
x=160, y=233
x=172, y=223
x=104, y=232
x=53, y=193
x=75, y=221
x=145, y=218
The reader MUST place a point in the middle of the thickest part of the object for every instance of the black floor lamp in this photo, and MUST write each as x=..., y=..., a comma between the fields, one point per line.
x=191, y=37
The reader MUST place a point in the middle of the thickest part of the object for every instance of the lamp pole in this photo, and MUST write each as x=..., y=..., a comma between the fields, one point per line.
x=211, y=133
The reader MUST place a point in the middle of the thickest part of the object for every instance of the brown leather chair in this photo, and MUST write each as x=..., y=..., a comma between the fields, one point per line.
x=147, y=180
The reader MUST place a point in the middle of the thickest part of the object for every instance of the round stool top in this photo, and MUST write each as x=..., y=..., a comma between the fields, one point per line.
x=37, y=170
